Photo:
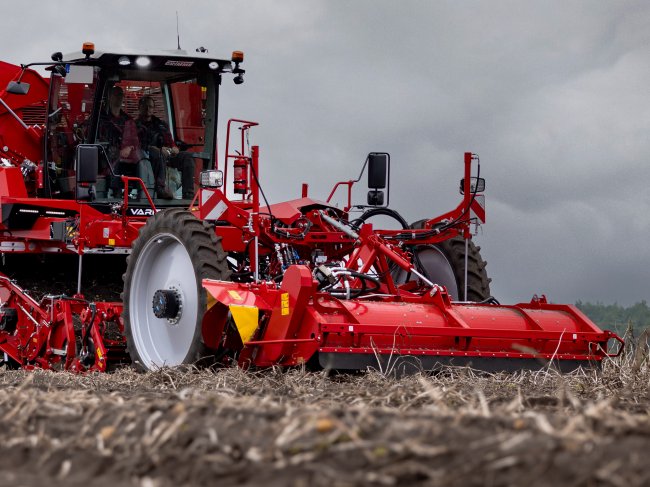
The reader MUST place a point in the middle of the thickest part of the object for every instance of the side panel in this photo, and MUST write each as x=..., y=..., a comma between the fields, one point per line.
x=31, y=109
x=12, y=183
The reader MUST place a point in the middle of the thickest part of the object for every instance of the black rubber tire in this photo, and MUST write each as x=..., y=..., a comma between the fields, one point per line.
x=380, y=211
x=478, y=283
x=208, y=261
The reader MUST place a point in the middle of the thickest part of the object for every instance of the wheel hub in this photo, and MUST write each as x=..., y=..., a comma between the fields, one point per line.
x=167, y=304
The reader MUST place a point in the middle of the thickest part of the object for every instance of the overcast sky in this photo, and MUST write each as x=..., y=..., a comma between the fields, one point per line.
x=553, y=95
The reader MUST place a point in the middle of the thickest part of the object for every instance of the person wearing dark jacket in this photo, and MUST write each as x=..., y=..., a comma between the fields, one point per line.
x=120, y=132
x=156, y=140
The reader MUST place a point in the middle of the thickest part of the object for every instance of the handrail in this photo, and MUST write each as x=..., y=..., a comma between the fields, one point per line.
x=246, y=124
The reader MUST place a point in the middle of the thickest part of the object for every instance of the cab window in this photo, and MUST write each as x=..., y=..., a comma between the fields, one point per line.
x=70, y=110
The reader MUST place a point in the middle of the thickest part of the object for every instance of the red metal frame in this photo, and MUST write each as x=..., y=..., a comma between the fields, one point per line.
x=408, y=319
x=296, y=319
x=47, y=334
x=428, y=325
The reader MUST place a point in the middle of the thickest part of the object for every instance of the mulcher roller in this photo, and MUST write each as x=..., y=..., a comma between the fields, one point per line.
x=295, y=323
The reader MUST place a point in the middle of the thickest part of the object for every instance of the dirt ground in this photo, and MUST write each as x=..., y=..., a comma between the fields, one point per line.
x=298, y=428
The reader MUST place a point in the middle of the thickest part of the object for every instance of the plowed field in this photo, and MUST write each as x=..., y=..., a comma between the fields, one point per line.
x=299, y=428
x=230, y=427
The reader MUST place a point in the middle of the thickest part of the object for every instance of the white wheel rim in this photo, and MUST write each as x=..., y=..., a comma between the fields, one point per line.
x=163, y=263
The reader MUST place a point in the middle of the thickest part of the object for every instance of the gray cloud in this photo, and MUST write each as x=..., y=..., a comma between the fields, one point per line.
x=552, y=95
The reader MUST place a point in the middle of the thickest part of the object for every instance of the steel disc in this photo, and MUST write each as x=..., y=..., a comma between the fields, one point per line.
x=164, y=264
x=436, y=268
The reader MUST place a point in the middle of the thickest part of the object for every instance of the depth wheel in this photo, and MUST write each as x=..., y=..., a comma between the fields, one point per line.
x=164, y=300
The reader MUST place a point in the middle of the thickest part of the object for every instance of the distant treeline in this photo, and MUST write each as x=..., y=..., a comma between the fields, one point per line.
x=617, y=318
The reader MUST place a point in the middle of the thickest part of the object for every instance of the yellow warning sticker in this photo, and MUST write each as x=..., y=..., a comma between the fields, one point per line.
x=246, y=320
x=235, y=295
x=111, y=241
x=284, y=304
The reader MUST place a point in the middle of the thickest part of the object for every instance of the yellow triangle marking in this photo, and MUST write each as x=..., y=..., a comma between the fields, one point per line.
x=246, y=320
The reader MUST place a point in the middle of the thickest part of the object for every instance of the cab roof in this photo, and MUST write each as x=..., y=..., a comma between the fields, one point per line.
x=159, y=58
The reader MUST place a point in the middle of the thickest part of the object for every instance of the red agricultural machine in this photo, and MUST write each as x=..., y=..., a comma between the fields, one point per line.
x=228, y=277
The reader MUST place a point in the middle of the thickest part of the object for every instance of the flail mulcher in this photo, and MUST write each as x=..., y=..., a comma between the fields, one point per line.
x=229, y=278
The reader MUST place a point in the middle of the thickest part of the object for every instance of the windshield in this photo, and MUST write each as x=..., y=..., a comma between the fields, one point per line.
x=159, y=130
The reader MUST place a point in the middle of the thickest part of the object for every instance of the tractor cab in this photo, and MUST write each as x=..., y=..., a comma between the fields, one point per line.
x=180, y=94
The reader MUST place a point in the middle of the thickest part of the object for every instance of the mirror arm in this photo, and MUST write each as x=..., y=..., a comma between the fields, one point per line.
x=23, y=68
x=49, y=63
x=362, y=170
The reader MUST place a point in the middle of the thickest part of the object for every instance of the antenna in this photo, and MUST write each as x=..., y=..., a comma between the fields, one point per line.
x=178, y=36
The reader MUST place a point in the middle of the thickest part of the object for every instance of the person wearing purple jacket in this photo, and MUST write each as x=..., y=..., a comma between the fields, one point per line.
x=120, y=132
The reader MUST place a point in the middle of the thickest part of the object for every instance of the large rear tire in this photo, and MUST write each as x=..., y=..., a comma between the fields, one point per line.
x=164, y=300
x=444, y=263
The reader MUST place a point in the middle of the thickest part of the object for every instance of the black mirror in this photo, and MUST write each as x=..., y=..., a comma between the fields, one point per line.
x=18, y=88
x=476, y=185
x=377, y=170
x=87, y=163
x=375, y=197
